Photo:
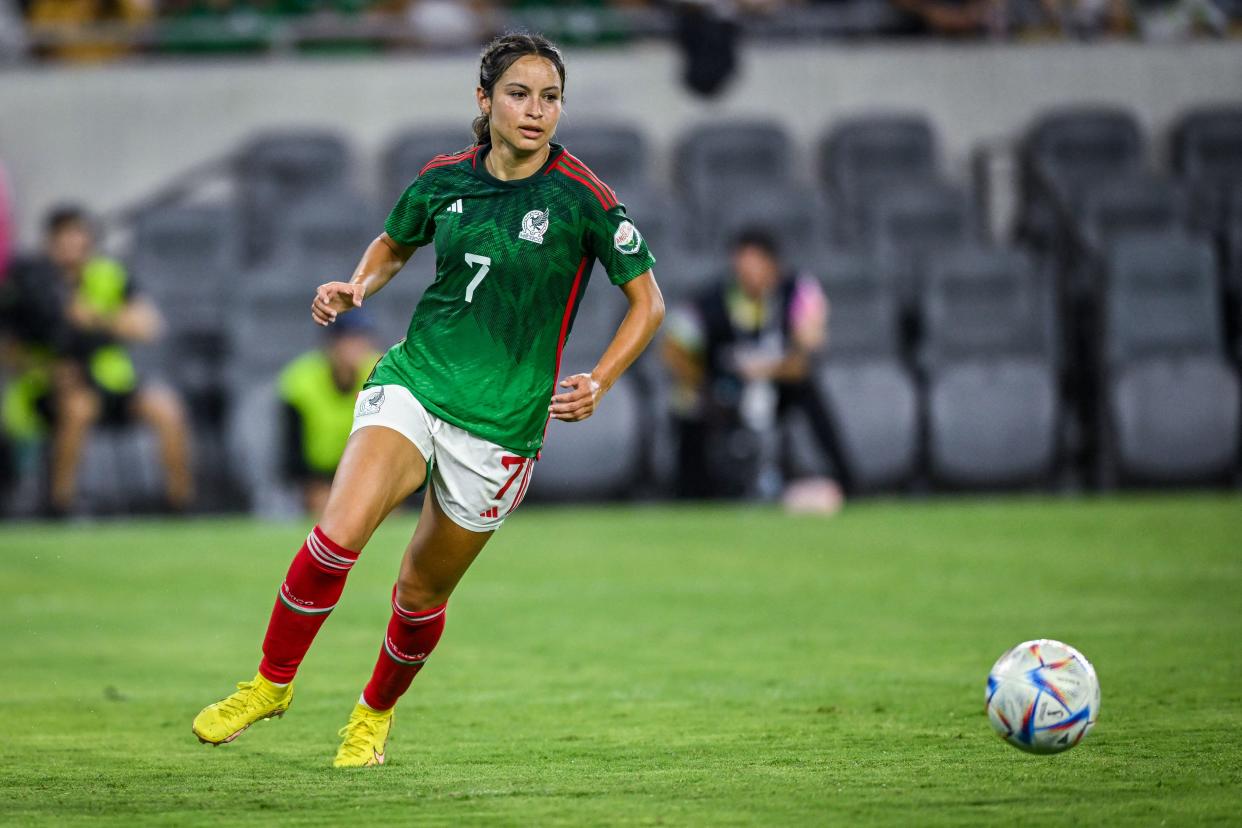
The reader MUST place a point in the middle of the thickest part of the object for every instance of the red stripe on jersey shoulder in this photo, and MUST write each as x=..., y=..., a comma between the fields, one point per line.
x=604, y=199
x=448, y=160
x=576, y=162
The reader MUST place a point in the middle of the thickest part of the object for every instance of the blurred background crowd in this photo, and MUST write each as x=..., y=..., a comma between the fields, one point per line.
x=890, y=266
x=95, y=30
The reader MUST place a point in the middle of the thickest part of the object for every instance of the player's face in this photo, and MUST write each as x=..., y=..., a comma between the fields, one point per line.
x=525, y=104
x=757, y=272
x=70, y=246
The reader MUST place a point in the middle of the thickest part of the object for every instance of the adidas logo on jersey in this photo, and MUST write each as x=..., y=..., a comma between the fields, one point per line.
x=455, y=207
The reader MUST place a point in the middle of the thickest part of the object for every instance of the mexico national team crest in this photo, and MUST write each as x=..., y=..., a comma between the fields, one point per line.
x=534, y=225
x=371, y=402
x=627, y=239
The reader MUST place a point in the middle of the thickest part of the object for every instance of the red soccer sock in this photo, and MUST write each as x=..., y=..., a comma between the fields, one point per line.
x=411, y=638
x=311, y=589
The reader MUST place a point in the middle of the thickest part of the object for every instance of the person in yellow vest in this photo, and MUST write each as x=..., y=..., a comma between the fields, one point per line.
x=318, y=391
x=93, y=310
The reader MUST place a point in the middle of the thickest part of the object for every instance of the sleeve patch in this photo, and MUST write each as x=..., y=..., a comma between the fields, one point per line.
x=627, y=239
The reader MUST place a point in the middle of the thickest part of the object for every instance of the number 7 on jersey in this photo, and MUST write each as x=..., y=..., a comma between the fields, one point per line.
x=485, y=264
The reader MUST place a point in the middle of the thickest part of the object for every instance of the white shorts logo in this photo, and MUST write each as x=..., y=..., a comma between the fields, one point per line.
x=534, y=225
x=627, y=239
x=371, y=403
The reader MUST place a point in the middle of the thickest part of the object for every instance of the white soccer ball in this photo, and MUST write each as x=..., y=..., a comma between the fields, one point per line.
x=1043, y=696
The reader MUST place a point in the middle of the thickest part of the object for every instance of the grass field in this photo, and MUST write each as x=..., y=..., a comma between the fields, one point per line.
x=706, y=666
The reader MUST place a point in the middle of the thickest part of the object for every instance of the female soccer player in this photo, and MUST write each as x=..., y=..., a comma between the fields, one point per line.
x=465, y=398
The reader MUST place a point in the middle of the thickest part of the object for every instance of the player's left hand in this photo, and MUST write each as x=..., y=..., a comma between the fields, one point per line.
x=578, y=404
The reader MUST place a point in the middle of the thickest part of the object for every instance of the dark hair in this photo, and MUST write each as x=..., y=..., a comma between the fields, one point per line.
x=499, y=55
x=759, y=237
x=64, y=215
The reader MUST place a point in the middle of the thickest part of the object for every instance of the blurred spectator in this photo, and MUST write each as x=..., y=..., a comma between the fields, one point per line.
x=954, y=18
x=75, y=17
x=318, y=391
x=68, y=315
x=741, y=353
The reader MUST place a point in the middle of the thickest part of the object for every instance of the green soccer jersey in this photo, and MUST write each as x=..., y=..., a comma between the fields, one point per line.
x=483, y=349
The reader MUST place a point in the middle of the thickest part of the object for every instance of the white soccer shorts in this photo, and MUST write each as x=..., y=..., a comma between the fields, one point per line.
x=476, y=482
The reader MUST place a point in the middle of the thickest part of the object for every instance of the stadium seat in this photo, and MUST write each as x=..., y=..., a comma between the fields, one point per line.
x=1171, y=408
x=321, y=241
x=283, y=169
x=186, y=258
x=864, y=314
x=1127, y=206
x=271, y=328
x=1066, y=153
x=796, y=217
x=718, y=161
x=863, y=156
x=869, y=389
x=255, y=449
x=617, y=153
x=599, y=458
x=410, y=150
x=988, y=357
x=875, y=405
x=1207, y=154
x=913, y=221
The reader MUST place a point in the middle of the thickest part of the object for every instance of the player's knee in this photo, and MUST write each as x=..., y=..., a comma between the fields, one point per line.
x=415, y=595
x=80, y=407
x=162, y=407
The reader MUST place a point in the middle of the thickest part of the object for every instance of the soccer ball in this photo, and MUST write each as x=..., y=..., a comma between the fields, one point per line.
x=1043, y=696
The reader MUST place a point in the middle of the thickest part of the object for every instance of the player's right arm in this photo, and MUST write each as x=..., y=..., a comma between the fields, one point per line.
x=382, y=259
x=409, y=226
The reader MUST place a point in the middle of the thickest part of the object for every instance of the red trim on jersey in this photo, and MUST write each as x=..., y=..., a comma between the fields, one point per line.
x=555, y=162
x=560, y=342
x=445, y=160
x=576, y=162
x=599, y=194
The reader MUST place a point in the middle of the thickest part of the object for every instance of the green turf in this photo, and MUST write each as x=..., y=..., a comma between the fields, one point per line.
x=643, y=666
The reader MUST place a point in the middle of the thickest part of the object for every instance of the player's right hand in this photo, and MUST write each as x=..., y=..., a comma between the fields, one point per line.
x=333, y=298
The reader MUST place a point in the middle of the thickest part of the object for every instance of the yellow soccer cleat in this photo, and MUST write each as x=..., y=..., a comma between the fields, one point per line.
x=227, y=719
x=364, y=736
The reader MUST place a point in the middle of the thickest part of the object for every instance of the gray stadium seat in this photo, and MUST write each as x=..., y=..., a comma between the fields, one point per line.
x=270, y=329
x=1171, y=401
x=1161, y=299
x=723, y=160
x=187, y=258
x=320, y=242
x=876, y=409
x=794, y=216
x=1130, y=205
x=992, y=422
x=601, y=457
x=280, y=170
x=1207, y=153
x=992, y=409
x=862, y=156
x=1176, y=419
x=912, y=222
x=985, y=303
x=864, y=313
x=1068, y=152
x=617, y=153
x=871, y=393
x=255, y=449
x=410, y=150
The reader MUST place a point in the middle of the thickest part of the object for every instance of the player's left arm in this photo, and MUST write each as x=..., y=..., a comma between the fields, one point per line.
x=641, y=321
